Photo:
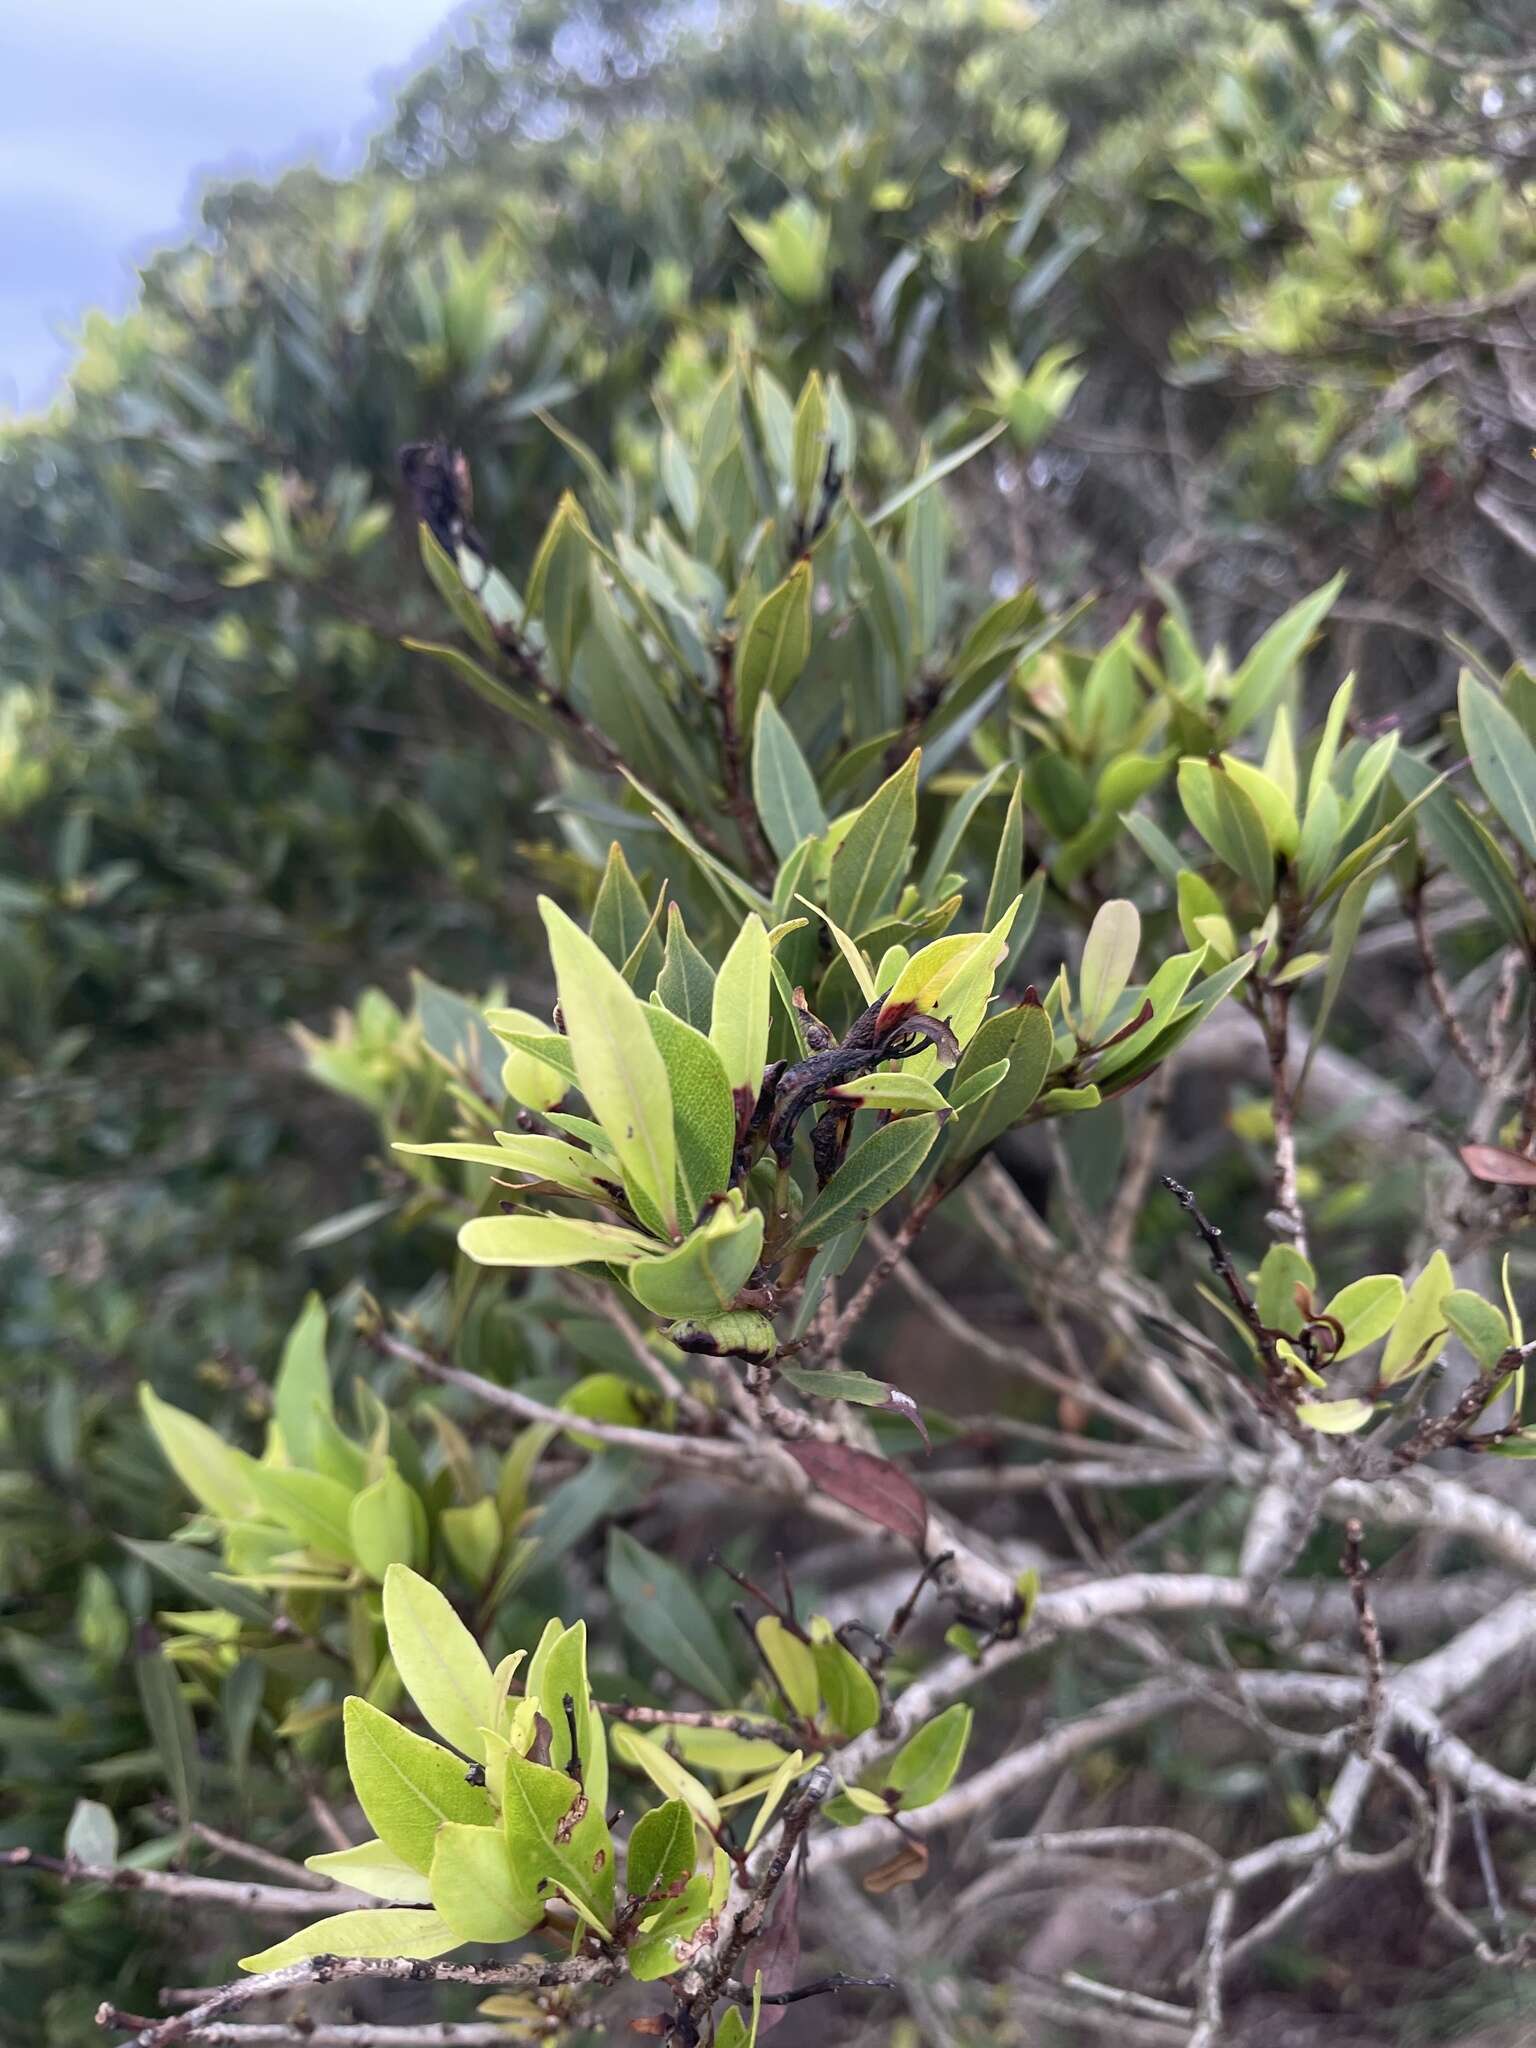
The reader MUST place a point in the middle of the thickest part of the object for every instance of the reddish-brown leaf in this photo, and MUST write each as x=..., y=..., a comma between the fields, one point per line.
x=908, y=1864
x=870, y=1486
x=1504, y=1169
x=776, y=1951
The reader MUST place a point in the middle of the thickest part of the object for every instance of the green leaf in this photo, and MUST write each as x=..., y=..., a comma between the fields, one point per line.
x=550, y=1159
x=739, y=1019
x=620, y=917
x=935, y=472
x=877, y=1168
x=931, y=979
x=658, y=1605
x=622, y=1075
x=373, y=1931
x=977, y=1086
x=740, y=1333
x=851, y=1695
x=662, y=1850
x=1008, y=867
x=1022, y=1036
x=792, y=1664
x=531, y=711
x=665, y=1772
x=468, y=613
x=1281, y=1272
x=530, y=1240
x=557, y=593
x=1327, y=749
x=686, y=983
x=774, y=646
x=1468, y=849
x=773, y=1794
x=91, y=1836
x=833, y=1384
x=303, y=1383
x=406, y=1785
x=884, y=596
x=315, y=1510
x=374, y=1868
x=1335, y=1418
x=474, y=1538
x=440, y=1664
x=538, y=1808
x=475, y=1888
x=890, y=1090
x=868, y=866
x=733, y=2030
x=1268, y=667
x=1347, y=920
x=1367, y=1309
x=953, y=831
x=924, y=1767
x=1503, y=759
x=706, y=1272
x=1229, y=823
x=857, y=960
x=1418, y=1336
x=1109, y=955
x=557, y=1670
x=169, y=1721
x=213, y=1472
x=1479, y=1325
x=1269, y=800
x=703, y=1111
x=191, y=1570
x=657, y=1950
x=387, y=1524
x=536, y=1083
x=783, y=787
x=809, y=443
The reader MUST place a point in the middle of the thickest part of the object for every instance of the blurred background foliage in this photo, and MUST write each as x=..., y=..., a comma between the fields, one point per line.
x=1248, y=287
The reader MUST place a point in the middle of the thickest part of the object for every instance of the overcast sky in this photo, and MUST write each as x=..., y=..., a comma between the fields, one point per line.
x=117, y=110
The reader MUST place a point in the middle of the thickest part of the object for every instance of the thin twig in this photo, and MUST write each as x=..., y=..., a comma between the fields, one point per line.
x=1358, y=1572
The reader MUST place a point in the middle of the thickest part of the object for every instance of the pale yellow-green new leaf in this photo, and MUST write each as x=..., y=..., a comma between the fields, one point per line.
x=551, y=1159
x=738, y=1027
x=708, y=1269
x=372, y=1931
x=406, y=1785
x=968, y=995
x=793, y=1664
x=535, y=1240
x=212, y=1471
x=773, y=1796
x=1109, y=955
x=374, y=1868
x=475, y=1889
x=622, y=1074
x=1367, y=1309
x=927, y=979
x=663, y=1770
x=1418, y=1336
x=387, y=1524
x=440, y=1664
x=530, y=1081
x=1335, y=1418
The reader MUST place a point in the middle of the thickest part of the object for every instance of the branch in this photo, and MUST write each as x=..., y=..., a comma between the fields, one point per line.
x=184, y=2026
x=1357, y=1571
x=752, y=1463
x=270, y=1901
